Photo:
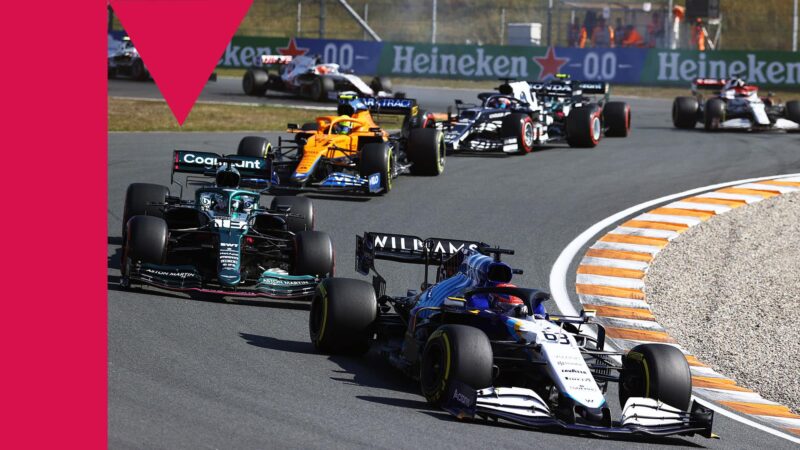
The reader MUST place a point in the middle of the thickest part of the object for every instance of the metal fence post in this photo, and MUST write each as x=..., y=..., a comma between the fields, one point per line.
x=502, y=26
x=366, y=18
x=433, y=23
x=299, y=18
x=549, y=23
x=794, y=28
x=322, y=19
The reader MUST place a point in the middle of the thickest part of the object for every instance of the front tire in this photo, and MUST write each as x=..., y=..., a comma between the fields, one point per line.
x=455, y=352
x=254, y=146
x=714, y=114
x=617, y=118
x=138, y=202
x=254, y=82
x=377, y=158
x=656, y=371
x=584, y=127
x=138, y=70
x=301, y=206
x=146, y=241
x=342, y=313
x=313, y=254
x=426, y=151
x=684, y=112
x=520, y=126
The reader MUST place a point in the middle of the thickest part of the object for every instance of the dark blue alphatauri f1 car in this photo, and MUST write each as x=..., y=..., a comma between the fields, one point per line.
x=222, y=241
x=482, y=347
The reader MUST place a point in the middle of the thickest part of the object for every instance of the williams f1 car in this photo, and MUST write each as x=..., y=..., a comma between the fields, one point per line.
x=734, y=104
x=309, y=77
x=222, y=241
x=349, y=152
x=482, y=347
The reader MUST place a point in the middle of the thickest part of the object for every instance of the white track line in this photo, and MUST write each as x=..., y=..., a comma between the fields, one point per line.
x=558, y=274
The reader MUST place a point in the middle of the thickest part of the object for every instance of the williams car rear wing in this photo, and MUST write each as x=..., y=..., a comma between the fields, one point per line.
x=206, y=163
x=405, y=249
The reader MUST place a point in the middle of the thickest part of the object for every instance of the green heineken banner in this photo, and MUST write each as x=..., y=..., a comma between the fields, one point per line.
x=489, y=62
x=677, y=67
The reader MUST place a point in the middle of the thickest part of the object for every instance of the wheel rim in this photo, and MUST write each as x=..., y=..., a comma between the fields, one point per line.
x=596, y=128
x=389, y=172
x=527, y=135
x=432, y=375
x=441, y=150
x=317, y=318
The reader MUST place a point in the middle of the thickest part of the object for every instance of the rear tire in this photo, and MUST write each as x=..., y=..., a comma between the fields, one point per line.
x=146, y=241
x=684, y=112
x=714, y=114
x=519, y=126
x=381, y=84
x=426, y=151
x=297, y=205
x=793, y=111
x=313, y=254
x=656, y=371
x=584, y=127
x=320, y=87
x=342, y=313
x=617, y=119
x=137, y=202
x=254, y=82
x=455, y=352
x=254, y=146
x=377, y=158
x=138, y=70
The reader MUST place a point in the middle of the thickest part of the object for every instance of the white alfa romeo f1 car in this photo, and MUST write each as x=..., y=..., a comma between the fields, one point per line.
x=309, y=77
x=734, y=104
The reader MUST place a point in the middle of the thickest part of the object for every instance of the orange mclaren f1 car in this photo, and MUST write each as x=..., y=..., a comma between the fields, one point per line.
x=350, y=151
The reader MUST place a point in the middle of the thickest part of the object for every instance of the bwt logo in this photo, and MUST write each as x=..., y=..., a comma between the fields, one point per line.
x=190, y=158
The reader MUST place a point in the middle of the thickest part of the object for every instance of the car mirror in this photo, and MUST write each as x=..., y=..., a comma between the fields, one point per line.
x=292, y=126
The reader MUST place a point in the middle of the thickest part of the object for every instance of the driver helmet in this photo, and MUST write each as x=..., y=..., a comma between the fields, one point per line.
x=735, y=83
x=227, y=176
x=500, y=102
x=342, y=127
x=505, y=302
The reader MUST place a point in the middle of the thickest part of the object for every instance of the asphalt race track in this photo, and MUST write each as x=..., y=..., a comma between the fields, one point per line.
x=229, y=89
x=187, y=373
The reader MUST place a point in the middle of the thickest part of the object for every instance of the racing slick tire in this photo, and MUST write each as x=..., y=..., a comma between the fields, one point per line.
x=381, y=84
x=320, y=87
x=617, y=119
x=793, y=111
x=254, y=82
x=426, y=151
x=455, y=353
x=313, y=254
x=254, y=146
x=714, y=113
x=519, y=126
x=300, y=206
x=342, y=313
x=138, y=199
x=146, y=240
x=684, y=112
x=584, y=127
x=377, y=158
x=656, y=371
x=138, y=70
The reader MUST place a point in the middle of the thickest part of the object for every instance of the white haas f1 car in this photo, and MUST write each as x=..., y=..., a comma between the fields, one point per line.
x=308, y=76
x=735, y=104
